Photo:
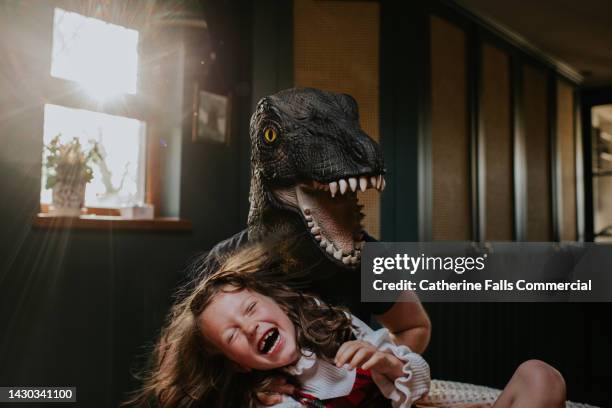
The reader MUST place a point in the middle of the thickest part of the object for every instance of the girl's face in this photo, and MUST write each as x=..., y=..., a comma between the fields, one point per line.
x=250, y=329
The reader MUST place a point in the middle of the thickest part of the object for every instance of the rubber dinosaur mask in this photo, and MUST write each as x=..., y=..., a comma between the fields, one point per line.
x=310, y=158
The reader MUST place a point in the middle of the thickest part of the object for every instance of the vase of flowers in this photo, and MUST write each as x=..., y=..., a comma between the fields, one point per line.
x=68, y=170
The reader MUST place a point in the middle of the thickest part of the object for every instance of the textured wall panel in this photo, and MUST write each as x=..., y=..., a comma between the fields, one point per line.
x=451, y=214
x=566, y=148
x=336, y=48
x=537, y=147
x=497, y=140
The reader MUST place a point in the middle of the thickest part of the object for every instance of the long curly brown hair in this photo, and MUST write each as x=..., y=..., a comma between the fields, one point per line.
x=188, y=371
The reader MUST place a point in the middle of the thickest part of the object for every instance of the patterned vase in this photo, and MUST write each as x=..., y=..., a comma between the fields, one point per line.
x=68, y=199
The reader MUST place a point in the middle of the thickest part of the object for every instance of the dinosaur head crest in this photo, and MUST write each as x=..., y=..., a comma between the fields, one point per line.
x=310, y=158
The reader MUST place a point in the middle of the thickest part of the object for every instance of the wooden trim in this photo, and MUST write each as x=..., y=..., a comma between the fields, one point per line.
x=476, y=135
x=580, y=183
x=70, y=94
x=114, y=223
x=404, y=121
x=516, y=40
x=424, y=155
x=44, y=209
x=518, y=157
x=587, y=166
x=153, y=166
x=555, y=171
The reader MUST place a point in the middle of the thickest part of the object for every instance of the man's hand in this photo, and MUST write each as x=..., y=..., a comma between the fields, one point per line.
x=273, y=395
x=360, y=354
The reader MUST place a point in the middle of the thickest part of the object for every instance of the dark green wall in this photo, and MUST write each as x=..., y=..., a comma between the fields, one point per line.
x=76, y=307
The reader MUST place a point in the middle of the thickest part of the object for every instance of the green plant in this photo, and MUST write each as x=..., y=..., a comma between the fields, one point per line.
x=68, y=162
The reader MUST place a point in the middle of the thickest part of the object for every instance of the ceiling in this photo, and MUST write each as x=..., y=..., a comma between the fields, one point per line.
x=578, y=33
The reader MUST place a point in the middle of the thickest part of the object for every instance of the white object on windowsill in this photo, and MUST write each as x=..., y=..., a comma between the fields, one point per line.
x=138, y=212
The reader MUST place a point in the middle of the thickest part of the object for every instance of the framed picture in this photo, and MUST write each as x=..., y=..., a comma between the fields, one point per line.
x=211, y=118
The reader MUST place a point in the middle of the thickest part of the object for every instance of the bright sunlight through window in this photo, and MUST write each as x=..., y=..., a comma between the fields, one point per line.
x=119, y=178
x=100, y=56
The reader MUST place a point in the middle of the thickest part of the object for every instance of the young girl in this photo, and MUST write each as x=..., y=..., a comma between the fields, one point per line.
x=242, y=330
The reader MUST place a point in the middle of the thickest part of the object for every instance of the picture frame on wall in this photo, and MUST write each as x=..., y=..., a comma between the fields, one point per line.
x=211, y=117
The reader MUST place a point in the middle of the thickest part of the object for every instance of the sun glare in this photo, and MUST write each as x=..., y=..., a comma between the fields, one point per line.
x=101, y=57
x=120, y=179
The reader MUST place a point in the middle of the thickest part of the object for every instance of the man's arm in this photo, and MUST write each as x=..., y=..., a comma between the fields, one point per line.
x=408, y=322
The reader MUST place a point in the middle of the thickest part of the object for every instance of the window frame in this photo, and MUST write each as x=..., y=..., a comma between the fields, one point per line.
x=70, y=94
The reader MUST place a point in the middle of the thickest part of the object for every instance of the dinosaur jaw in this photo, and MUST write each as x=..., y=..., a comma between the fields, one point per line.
x=332, y=214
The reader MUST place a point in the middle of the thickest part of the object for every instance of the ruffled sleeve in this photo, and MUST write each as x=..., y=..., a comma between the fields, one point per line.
x=414, y=384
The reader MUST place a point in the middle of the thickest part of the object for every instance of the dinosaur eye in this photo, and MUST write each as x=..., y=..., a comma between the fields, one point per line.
x=270, y=135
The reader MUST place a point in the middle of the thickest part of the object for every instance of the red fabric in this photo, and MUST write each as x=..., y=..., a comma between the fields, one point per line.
x=365, y=394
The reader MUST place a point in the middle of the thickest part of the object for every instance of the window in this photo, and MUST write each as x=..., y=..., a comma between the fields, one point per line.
x=102, y=58
x=118, y=179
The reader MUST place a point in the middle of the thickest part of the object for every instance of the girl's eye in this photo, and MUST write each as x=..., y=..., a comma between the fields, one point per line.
x=251, y=307
x=270, y=135
x=231, y=337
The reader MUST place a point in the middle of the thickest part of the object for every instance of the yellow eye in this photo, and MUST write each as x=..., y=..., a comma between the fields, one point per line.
x=270, y=135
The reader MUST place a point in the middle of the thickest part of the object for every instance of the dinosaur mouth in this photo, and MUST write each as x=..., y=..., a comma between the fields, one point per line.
x=332, y=213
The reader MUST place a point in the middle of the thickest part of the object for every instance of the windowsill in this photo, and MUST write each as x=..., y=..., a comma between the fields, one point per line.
x=109, y=222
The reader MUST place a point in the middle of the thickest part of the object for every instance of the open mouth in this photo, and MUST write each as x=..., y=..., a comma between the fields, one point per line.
x=332, y=213
x=269, y=341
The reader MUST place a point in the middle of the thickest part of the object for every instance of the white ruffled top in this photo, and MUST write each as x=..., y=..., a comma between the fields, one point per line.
x=324, y=380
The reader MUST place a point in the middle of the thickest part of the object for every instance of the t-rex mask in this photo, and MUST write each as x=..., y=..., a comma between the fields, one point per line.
x=309, y=159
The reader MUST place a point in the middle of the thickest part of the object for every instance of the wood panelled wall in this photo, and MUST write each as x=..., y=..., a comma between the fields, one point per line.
x=449, y=133
x=498, y=122
x=566, y=165
x=497, y=200
x=336, y=48
x=537, y=154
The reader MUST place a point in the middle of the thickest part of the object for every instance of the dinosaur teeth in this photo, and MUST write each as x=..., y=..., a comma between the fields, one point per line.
x=363, y=184
x=330, y=248
x=315, y=230
x=343, y=185
x=333, y=188
x=308, y=218
x=318, y=237
x=346, y=260
x=311, y=224
x=323, y=243
x=353, y=183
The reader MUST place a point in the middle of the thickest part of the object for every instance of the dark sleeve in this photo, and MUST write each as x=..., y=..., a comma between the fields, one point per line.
x=376, y=308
